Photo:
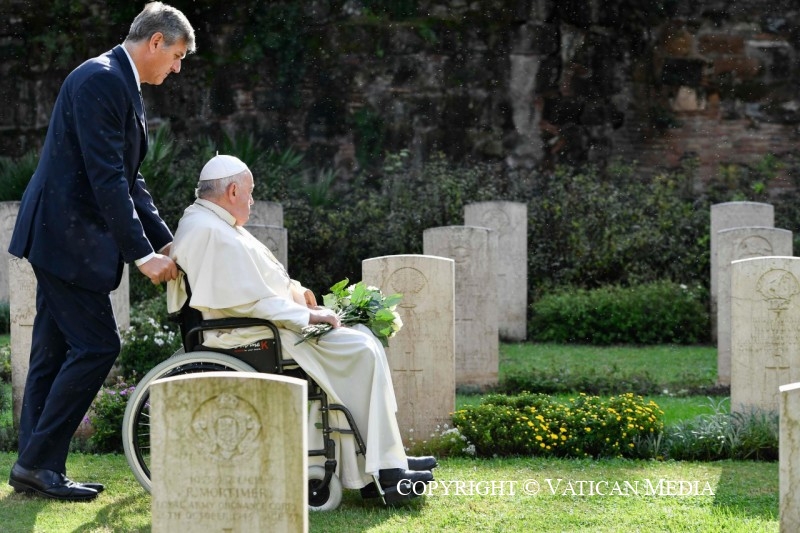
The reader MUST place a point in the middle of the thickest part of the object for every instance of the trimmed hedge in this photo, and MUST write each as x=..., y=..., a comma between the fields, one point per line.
x=653, y=313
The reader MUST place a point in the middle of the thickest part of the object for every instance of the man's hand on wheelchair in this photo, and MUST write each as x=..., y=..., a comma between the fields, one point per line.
x=322, y=315
x=159, y=269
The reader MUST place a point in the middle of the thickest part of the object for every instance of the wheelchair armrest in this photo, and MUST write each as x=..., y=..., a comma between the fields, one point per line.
x=192, y=337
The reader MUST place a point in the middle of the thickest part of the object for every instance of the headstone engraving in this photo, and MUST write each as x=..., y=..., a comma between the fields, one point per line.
x=734, y=244
x=510, y=221
x=789, y=458
x=422, y=354
x=474, y=251
x=765, y=325
x=275, y=238
x=733, y=215
x=228, y=453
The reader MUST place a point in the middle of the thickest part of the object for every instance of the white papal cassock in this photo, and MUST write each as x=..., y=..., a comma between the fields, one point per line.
x=232, y=274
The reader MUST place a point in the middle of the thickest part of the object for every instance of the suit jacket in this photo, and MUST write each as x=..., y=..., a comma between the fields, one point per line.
x=87, y=210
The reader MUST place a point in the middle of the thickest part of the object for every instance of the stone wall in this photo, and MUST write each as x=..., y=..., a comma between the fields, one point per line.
x=525, y=82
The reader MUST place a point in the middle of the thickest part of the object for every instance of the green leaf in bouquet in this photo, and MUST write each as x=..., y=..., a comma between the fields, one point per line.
x=384, y=315
x=330, y=301
x=339, y=288
x=393, y=300
x=360, y=295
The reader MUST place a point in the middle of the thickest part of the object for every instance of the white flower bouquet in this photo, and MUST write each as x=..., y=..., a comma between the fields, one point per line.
x=360, y=304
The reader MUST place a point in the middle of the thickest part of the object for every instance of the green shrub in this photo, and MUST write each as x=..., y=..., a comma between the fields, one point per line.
x=751, y=434
x=653, y=313
x=151, y=338
x=600, y=380
x=106, y=414
x=591, y=228
x=5, y=363
x=535, y=424
x=8, y=433
x=15, y=175
x=5, y=318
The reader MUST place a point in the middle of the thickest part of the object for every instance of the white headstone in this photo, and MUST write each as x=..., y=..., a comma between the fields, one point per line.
x=510, y=221
x=275, y=238
x=228, y=453
x=422, y=354
x=22, y=305
x=121, y=300
x=733, y=215
x=23, y=310
x=765, y=321
x=789, y=458
x=263, y=213
x=474, y=250
x=734, y=244
x=8, y=216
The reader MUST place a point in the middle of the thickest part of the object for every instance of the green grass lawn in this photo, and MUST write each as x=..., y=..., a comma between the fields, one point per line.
x=676, y=367
x=731, y=496
x=668, y=365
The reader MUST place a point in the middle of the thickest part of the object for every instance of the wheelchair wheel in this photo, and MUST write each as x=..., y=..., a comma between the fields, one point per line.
x=136, y=422
x=323, y=499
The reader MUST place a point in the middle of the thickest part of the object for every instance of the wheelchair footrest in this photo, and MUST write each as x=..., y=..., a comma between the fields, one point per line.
x=401, y=492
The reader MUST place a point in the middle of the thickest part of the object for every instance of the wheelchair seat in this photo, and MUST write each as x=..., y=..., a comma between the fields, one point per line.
x=264, y=355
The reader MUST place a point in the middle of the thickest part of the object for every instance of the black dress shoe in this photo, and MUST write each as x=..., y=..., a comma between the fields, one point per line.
x=392, y=476
x=49, y=484
x=426, y=462
x=99, y=487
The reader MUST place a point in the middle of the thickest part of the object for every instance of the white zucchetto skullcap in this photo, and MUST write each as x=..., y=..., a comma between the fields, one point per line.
x=222, y=166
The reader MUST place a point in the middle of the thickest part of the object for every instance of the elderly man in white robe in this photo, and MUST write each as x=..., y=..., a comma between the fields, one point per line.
x=232, y=274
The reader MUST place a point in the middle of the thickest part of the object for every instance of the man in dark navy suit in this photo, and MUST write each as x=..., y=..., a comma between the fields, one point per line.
x=86, y=212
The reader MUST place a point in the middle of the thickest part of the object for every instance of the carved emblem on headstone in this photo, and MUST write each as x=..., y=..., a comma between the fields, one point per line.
x=778, y=287
x=226, y=427
x=496, y=219
x=753, y=246
x=408, y=282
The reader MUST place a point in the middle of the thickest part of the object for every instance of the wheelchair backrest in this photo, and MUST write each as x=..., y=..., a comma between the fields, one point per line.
x=265, y=355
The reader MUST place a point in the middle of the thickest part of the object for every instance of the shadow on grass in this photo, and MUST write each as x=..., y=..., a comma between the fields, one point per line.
x=358, y=514
x=19, y=511
x=117, y=513
x=749, y=490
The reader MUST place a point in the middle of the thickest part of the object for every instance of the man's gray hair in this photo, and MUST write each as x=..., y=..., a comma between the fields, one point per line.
x=212, y=189
x=159, y=17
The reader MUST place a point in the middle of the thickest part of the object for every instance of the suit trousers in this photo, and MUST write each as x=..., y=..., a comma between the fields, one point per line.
x=75, y=343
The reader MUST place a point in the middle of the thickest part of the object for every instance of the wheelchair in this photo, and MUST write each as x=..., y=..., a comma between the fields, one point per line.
x=324, y=487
